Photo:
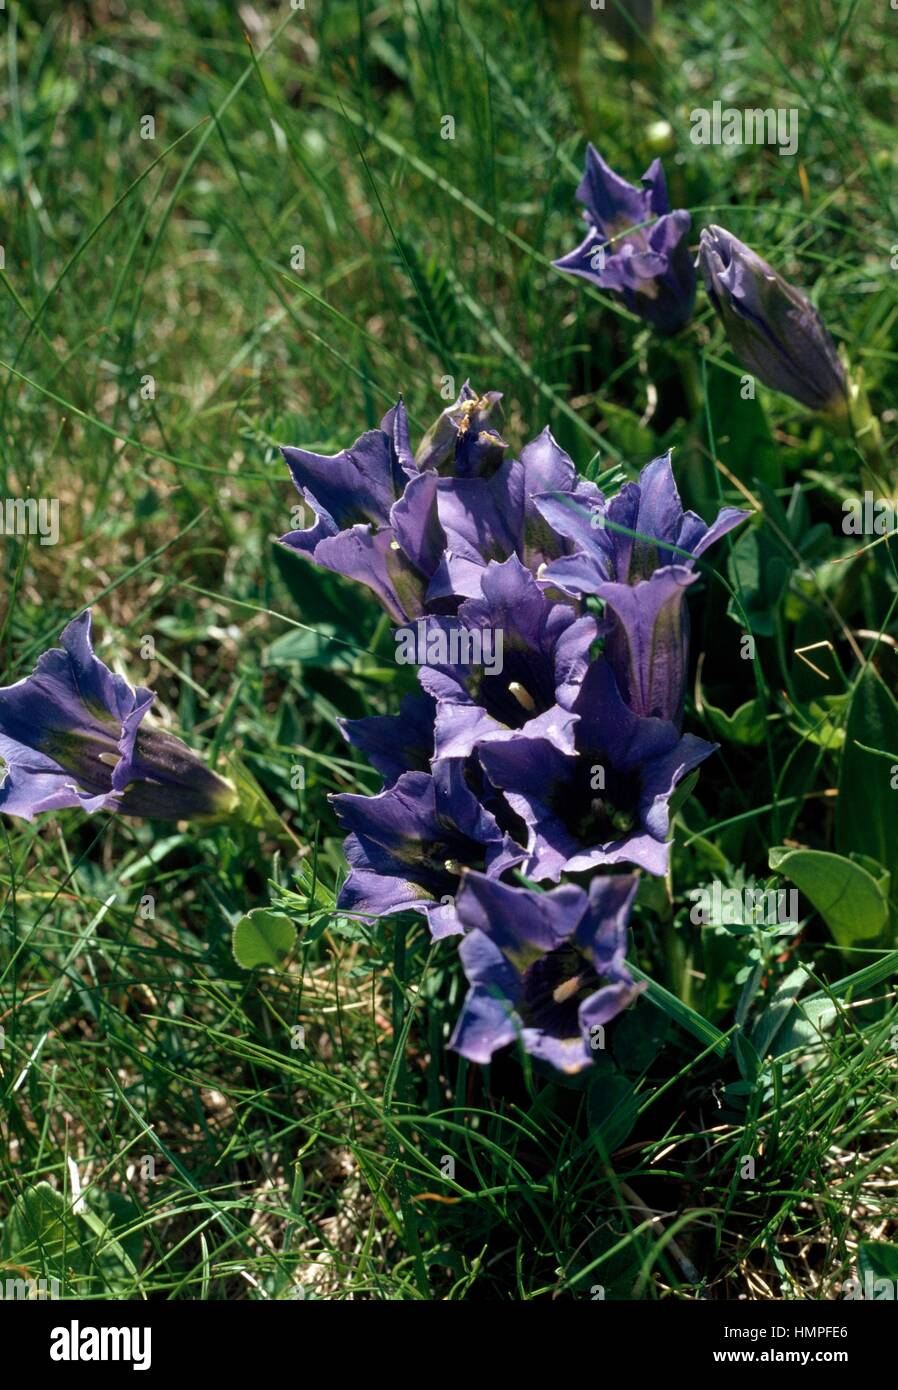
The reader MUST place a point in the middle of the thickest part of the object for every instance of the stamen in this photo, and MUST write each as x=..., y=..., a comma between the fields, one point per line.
x=452, y=866
x=566, y=991
x=523, y=697
x=110, y=759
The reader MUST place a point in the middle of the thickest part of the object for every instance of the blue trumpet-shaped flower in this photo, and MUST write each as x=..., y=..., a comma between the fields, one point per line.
x=773, y=328
x=420, y=531
x=376, y=517
x=463, y=443
x=72, y=735
x=637, y=553
x=408, y=846
x=542, y=653
x=635, y=246
x=545, y=969
x=493, y=518
x=396, y=743
x=610, y=801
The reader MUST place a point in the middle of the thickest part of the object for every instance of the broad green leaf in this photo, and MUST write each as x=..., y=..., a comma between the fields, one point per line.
x=682, y=794
x=624, y=428
x=747, y=1057
x=779, y=1009
x=746, y=725
x=742, y=436
x=118, y=1241
x=263, y=937
x=808, y=1020
x=812, y=1016
x=43, y=1239
x=637, y=1038
x=759, y=570
x=612, y=1109
x=867, y=806
x=878, y=1259
x=850, y=900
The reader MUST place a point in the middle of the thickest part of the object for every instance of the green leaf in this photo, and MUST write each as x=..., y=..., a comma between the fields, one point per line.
x=747, y=1057
x=759, y=569
x=746, y=726
x=612, y=1109
x=116, y=1249
x=637, y=1038
x=682, y=1014
x=263, y=937
x=742, y=435
x=853, y=903
x=682, y=794
x=301, y=646
x=625, y=431
x=810, y=1017
x=805, y=1024
x=42, y=1239
x=867, y=806
x=877, y=1259
x=779, y=1009
x=253, y=807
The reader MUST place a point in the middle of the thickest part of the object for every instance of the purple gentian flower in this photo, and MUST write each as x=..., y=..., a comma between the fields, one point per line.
x=607, y=804
x=376, y=515
x=463, y=437
x=637, y=553
x=649, y=266
x=773, y=328
x=493, y=518
x=546, y=969
x=72, y=735
x=541, y=656
x=408, y=846
x=396, y=743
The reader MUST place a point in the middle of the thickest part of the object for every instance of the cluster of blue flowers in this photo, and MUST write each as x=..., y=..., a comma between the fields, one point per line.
x=556, y=758
x=559, y=756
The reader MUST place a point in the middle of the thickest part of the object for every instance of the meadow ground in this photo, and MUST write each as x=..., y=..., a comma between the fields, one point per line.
x=231, y=227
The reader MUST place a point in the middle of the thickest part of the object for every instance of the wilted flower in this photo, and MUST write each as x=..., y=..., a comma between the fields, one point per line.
x=546, y=969
x=609, y=803
x=72, y=734
x=408, y=846
x=544, y=657
x=773, y=328
x=463, y=437
x=637, y=553
x=635, y=246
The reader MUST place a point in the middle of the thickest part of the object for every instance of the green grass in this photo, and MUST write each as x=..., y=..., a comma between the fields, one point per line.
x=218, y=1160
